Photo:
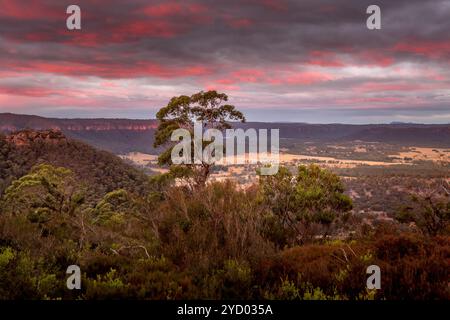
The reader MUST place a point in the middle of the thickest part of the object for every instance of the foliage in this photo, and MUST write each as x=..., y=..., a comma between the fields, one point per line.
x=43, y=192
x=278, y=239
x=209, y=108
x=112, y=208
x=98, y=171
x=302, y=206
x=430, y=213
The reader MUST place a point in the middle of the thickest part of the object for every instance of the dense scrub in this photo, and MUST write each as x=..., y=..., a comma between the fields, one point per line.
x=217, y=242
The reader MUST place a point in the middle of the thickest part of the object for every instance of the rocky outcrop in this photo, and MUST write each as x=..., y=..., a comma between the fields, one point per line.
x=27, y=137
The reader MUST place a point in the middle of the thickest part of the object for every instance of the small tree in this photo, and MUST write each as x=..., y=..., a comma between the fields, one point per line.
x=302, y=205
x=47, y=200
x=42, y=193
x=429, y=212
x=181, y=112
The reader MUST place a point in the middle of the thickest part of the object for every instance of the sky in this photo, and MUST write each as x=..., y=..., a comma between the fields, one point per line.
x=277, y=60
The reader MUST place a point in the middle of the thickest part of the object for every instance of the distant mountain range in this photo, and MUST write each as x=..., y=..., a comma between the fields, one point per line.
x=115, y=135
x=125, y=135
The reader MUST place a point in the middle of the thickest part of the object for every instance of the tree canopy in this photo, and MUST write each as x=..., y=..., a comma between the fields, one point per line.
x=302, y=205
x=209, y=108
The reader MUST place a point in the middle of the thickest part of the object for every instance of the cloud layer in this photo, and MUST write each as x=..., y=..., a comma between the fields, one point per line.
x=312, y=59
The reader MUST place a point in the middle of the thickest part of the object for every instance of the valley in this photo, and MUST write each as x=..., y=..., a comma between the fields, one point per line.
x=121, y=212
x=378, y=177
x=380, y=165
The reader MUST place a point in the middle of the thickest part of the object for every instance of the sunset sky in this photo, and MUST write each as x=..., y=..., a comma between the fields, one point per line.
x=278, y=60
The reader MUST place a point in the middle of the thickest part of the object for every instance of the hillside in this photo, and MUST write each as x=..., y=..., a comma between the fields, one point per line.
x=114, y=135
x=405, y=134
x=99, y=171
x=121, y=136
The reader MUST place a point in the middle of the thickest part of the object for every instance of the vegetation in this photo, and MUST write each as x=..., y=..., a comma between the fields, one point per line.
x=289, y=236
x=207, y=108
x=98, y=171
x=176, y=243
x=430, y=213
x=303, y=206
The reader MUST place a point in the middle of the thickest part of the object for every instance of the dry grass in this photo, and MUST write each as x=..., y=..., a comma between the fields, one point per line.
x=430, y=154
x=140, y=158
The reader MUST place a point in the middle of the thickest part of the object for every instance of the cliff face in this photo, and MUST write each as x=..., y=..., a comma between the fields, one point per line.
x=121, y=136
x=12, y=122
x=109, y=126
x=28, y=137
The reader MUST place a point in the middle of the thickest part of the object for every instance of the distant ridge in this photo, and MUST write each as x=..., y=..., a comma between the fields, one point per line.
x=14, y=122
x=400, y=122
x=126, y=135
x=115, y=135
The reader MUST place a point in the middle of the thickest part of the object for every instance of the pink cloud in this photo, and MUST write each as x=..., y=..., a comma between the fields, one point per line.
x=29, y=10
x=324, y=59
x=110, y=70
x=163, y=9
x=279, y=5
x=301, y=78
x=240, y=23
x=375, y=58
x=383, y=87
x=372, y=100
x=273, y=77
x=174, y=9
x=430, y=49
x=28, y=91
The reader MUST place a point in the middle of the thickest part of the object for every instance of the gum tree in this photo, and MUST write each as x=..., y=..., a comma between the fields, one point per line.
x=47, y=200
x=211, y=110
x=44, y=192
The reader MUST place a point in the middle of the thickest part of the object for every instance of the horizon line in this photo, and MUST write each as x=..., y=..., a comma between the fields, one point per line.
x=281, y=122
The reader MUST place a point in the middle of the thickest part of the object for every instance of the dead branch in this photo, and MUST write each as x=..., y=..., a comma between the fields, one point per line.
x=117, y=252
